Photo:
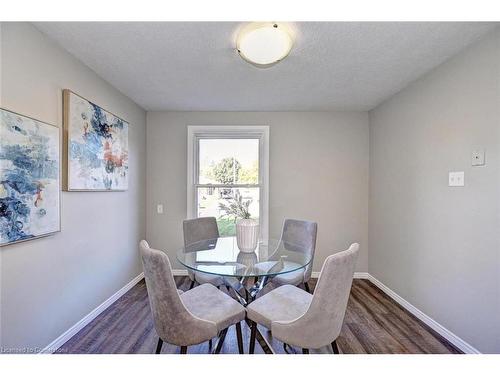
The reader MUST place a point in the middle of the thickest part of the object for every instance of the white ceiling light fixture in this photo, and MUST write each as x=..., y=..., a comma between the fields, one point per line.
x=264, y=44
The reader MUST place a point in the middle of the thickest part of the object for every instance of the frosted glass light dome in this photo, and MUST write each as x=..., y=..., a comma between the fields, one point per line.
x=264, y=44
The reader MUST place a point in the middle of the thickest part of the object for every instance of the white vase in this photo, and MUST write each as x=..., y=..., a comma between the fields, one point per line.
x=247, y=235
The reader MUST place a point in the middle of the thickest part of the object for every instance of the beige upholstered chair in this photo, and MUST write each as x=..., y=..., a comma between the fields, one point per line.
x=298, y=235
x=188, y=318
x=195, y=230
x=298, y=318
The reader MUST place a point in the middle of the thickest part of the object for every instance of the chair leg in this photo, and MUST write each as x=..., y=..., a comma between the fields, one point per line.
x=240, y=338
x=253, y=333
x=184, y=349
x=158, y=347
x=305, y=351
x=222, y=336
x=335, y=347
x=210, y=345
x=306, y=285
x=192, y=284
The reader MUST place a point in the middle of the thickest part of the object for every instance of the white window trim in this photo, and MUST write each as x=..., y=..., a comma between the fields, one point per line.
x=195, y=131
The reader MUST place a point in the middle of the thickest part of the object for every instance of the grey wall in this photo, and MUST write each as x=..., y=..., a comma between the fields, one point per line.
x=436, y=246
x=49, y=284
x=318, y=171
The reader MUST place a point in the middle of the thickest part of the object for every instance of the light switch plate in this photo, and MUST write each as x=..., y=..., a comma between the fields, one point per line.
x=456, y=179
x=159, y=208
x=477, y=157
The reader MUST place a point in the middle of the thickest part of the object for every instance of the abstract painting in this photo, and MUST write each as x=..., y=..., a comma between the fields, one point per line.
x=96, y=145
x=29, y=178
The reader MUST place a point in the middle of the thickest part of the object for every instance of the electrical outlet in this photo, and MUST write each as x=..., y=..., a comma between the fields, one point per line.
x=159, y=209
x=456, y=179
x=477, y=158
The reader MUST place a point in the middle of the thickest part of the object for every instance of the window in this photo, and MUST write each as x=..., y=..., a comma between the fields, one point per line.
x=228, y=164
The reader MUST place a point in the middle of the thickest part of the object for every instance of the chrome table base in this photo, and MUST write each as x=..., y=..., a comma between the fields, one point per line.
x=247, y=295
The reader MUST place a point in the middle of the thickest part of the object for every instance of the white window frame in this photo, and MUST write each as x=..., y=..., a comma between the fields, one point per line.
x=197, y=132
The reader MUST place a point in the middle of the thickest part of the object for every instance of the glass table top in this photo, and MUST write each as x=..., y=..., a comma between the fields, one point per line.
x=221, y=256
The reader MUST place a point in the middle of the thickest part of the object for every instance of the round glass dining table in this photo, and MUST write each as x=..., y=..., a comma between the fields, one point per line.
x=244, y=272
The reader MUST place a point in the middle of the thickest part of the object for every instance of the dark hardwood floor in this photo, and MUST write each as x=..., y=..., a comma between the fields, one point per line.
x=374, y=323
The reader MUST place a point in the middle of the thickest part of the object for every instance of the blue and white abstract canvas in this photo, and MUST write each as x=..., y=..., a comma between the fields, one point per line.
x=29, y=178
x=97, y=146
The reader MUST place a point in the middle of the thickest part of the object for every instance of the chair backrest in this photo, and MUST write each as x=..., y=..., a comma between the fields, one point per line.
x=172, y=320
x=300, y=235
x=334, y=286
x=200, y=229
x=322, y=322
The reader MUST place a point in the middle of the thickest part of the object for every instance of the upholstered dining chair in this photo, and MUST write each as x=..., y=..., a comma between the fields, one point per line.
x=298, y=318
x=298, y=235
x=196, y=230
x=191, y=317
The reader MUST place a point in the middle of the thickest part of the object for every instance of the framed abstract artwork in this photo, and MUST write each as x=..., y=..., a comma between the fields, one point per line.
x=29, y=178
x=96, y=147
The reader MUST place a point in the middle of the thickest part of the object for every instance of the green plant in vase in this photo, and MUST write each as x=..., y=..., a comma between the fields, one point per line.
x=247, y=229
x=236, y=207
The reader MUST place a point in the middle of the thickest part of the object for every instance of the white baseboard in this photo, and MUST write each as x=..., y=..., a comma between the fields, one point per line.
x=314, y=275
x=179, y=272
x=361, y=275
x=357, y=275
x=58, y=342
x=447, y=334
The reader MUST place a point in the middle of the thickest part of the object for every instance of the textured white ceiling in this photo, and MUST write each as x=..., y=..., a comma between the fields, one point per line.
x=192, y=66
